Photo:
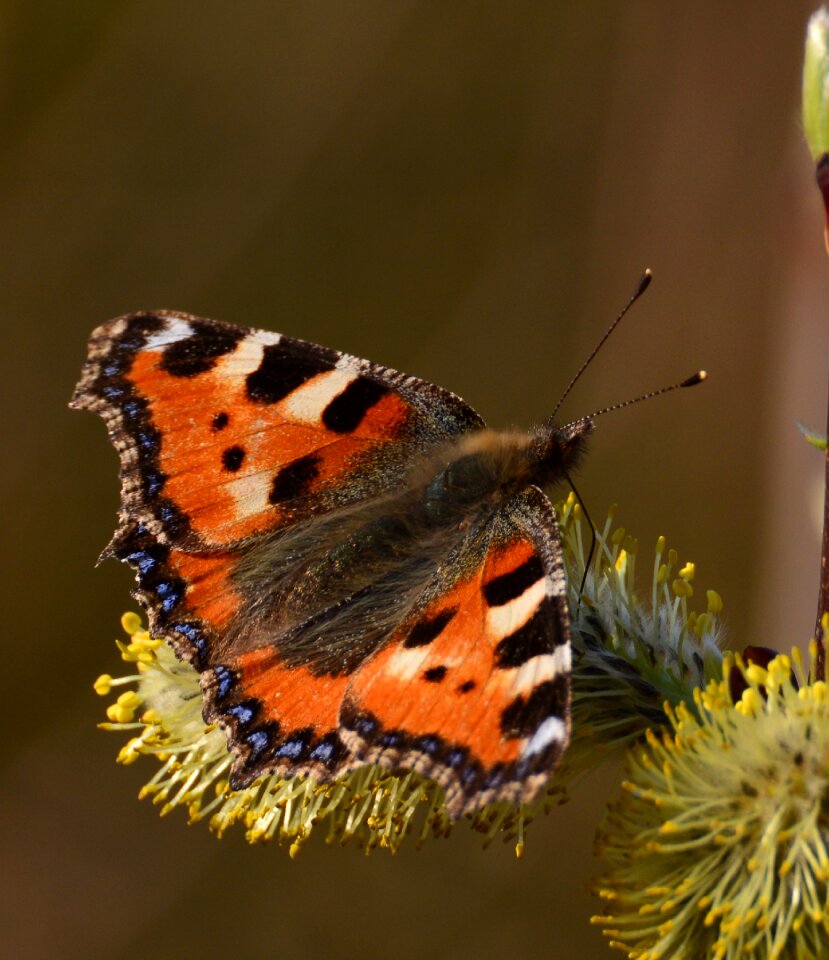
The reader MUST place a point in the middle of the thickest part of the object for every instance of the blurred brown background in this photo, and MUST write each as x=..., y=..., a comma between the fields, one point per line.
x=465, y=191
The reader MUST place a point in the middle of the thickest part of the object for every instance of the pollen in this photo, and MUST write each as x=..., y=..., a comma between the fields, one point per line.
x=748, y=838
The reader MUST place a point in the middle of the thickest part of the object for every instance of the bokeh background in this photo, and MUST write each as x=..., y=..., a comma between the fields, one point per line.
x=464, y=191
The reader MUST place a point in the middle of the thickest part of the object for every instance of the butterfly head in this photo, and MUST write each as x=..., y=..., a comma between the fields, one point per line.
x=558, y=450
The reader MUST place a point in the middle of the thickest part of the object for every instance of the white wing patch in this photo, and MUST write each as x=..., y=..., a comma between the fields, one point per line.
x=552, y=730
x=174, y=329
x=506, y=619
x=546, y=666
x=308, y=402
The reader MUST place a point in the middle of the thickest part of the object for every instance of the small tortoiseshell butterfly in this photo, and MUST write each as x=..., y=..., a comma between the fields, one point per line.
x=360, y=571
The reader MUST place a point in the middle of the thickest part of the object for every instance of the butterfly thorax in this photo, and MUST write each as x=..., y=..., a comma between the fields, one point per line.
x=328, y=592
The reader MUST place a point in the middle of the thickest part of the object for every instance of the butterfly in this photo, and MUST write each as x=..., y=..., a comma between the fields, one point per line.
x=361, y=571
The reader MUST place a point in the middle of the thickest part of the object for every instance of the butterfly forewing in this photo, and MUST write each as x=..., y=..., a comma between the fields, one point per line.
x=226, y=433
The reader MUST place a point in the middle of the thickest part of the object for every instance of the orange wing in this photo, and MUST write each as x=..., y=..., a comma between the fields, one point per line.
x=473, y=688
x=225, y=432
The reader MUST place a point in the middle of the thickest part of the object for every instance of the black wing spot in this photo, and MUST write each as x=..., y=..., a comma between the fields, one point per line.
x=232, y=458
x=283, y=371
x=526, y=714
x=347, y=410
x=425, y=631
x=294, y=479
x=219, y=422
x=199, y=352
x=435, y=674
x=466, y=686
x=508, y=586
x=540, y=634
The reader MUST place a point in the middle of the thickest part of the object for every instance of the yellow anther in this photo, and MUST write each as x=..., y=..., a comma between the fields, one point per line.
x=702, y=624
x=144, y=641
x=754, y=673
x=618, y=536
x=130, y=623
x=129, y=699
x=682, y=588
x=714, y=602
x=751, y=702
x=688, y=571
x=621, y=561
x=126, y=651
x=661, y=543
x=673, y=557
x=120, y=714
x=102, y=685
x=779, y=672
x=129, y=752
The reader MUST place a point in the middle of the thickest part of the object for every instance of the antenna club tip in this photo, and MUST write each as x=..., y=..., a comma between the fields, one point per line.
x=644, y=283
x=692, y=381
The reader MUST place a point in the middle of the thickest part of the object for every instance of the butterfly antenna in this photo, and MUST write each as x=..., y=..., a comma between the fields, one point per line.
x=592, y=538
x=641, y=287
x=691, y=381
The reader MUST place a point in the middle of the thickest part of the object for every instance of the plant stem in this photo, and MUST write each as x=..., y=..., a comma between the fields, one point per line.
x=823, y=595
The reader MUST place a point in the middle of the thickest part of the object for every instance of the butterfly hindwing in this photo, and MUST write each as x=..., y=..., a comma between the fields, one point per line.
x=472, y=689
x=278, y=718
